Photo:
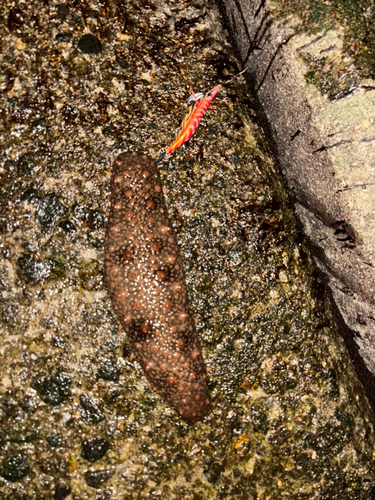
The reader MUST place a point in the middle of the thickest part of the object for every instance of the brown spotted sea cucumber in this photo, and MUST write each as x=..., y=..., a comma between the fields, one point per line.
x=146, y=283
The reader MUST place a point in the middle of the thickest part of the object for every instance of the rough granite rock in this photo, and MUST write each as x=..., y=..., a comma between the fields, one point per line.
x=78, y=418
x=309, y=65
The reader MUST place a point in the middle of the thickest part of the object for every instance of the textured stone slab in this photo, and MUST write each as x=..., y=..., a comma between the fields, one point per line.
x=325, y=145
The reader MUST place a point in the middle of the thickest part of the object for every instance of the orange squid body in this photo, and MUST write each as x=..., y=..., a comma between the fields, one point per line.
x=191, y=121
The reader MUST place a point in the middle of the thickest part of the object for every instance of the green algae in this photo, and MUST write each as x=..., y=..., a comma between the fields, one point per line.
x=286, y=420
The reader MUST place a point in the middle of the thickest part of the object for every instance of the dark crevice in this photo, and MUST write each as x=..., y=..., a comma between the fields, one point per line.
x=261, y=5
x=345, y=93
x=296, y=134
x=337, y=144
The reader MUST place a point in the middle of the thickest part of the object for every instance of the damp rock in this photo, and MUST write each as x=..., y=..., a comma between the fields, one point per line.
x=94, y=449
x=94, y=14
x=37, y=126
x=333, y=390
x=344, y=417
x=213, y=471
x=50, y=209
x=16, y=496
x=15, y=467
x=6, y=252
x=259, y=419
x=62, y=11
x=58, y=342
x=26, y=163
x=5, y=224
x=28, y=404
x=54, y=164
x=10, y=312
x=91, y=276
x=62, y=490
x=9, y=169
x=97, y=219
x=24, y=104
x=53, y=390
x=96, y=478
x=126, y=350
x=88, y=44
x=109, y=371
x=122, y=62
x=33, y=270
x=16, y=20
x=54, y=441
x=30, y=195
x=13, y=102
x=90, y=410
x=67, y=226
x=108, y=132
x=63, y=37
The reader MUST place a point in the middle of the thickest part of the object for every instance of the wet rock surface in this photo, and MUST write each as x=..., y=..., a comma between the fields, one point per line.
x=94, y=449
x=90, y=410
x=15, y=467
x=288, y=417
x=88, y=44
x=97, y=478
x=62, y=490
x=53, y=390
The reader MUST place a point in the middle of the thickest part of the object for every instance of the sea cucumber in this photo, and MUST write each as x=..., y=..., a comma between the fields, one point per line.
x=145, y=279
